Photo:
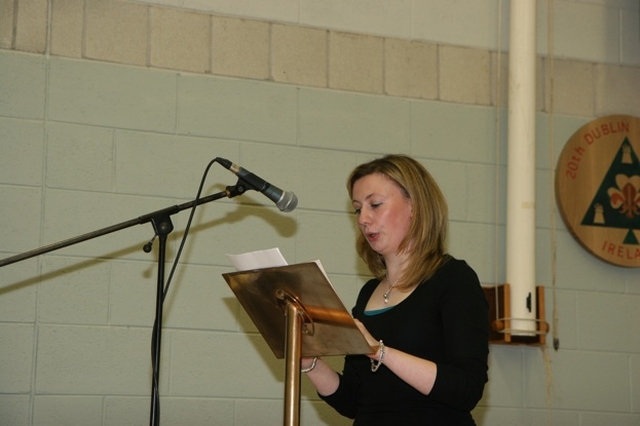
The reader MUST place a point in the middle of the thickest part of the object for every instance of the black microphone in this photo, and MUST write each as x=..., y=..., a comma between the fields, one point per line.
x=285, y=201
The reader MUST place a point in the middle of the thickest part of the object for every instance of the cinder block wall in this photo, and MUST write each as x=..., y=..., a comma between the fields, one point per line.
x=110, y=110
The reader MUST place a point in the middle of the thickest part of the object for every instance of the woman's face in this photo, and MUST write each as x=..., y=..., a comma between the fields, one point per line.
x=383, y=212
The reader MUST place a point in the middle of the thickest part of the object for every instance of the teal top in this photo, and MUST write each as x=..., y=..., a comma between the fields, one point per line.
x=377, y=311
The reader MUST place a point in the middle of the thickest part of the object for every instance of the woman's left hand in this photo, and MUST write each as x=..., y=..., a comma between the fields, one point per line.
x=370, y=339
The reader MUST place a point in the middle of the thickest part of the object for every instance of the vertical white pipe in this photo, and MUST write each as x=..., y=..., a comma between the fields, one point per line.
x=521, y=218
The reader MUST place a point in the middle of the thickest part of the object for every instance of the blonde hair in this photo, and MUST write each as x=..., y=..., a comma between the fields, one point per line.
x=426, y=239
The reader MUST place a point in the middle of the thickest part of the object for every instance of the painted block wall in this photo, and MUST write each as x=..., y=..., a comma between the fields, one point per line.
x=99, y=130
x=577, y=25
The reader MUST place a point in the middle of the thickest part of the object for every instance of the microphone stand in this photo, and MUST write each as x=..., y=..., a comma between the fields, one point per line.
x=162, y=225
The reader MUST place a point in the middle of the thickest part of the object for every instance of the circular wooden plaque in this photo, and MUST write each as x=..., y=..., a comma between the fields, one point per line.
x=598, y=188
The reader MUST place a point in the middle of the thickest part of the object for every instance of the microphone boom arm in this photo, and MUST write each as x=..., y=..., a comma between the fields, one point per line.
x=229, y=192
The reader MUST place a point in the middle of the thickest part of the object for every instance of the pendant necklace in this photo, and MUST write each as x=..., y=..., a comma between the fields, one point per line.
x=386, y=294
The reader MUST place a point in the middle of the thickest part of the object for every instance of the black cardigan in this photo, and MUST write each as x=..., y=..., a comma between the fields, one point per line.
x=444, y=320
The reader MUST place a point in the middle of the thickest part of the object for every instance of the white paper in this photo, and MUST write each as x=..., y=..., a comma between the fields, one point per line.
x=260, y=259
x=257, y=259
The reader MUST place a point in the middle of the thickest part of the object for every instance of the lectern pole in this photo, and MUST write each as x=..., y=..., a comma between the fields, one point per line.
x=292, y=378
x=315, y=322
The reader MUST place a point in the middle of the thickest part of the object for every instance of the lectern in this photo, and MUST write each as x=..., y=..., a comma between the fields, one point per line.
x=298, y=313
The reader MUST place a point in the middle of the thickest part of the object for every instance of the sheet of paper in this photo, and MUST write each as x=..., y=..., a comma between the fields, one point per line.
x=257, y=259
x=260, y=259
x=317, y=261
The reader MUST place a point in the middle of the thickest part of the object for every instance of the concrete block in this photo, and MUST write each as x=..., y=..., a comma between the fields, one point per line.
x=144, y=159
x=599, y=330
x=619, y=419
x=572, y=388
x=170, y=3
x=6, y=24
x=117, y=31
x=629, y=36
x=261, y=411
x=484, y=186
x=316, y=240
x=237, y=227
x=67, y=18
x=452, y=178
x=437, y=132
x=198, y=411
x=16, y=350
x=563, y=126
x=380, y=17
x=280, y=10
x=23, y=95
x=133, y=291
x=94, y=360
x=237, y=109
x=22, y=209
x=579, y=29
x=617, y=90
x=347, y=287
x=18, y=286
x=472, y=24
x=565, y=418
x=174, y=410
x=505, y=386
x=572, y=89
x=31, y=26
x=134, y=410
x=75, y=292
x=567, y=307
x=411, y=69
x=582, y=270
x=22, y=152
x=325, y=172
x=541, y=85
x=79, y=157
x=634, y=363
x=180, y=40
x=15, y=410
x=353, y=122
x=240, y=48
x=319, y=412
x=201, y=362
x=544, y=263
x=500, y=416
x=299, y=55
x=100, y=94
x=476, y=243
x=56, y=410
x=465, y=75
x=71, y=213
x=200, y=299
x=356, y=62
x=545, y=202
x=500, y=79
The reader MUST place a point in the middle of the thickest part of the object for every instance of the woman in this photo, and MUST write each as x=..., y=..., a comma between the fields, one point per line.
x=425, y=312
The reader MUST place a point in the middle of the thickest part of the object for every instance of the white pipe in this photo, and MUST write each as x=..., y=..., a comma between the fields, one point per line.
x=521, y=189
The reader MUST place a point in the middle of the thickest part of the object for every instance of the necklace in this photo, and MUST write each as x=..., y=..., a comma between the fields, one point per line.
x=386, y=294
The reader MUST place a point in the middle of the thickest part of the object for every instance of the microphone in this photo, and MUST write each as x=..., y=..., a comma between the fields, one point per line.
x=285, y=201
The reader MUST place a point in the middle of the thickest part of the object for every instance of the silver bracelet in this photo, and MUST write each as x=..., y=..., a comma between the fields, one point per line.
x=376, y=364
x=311, y=367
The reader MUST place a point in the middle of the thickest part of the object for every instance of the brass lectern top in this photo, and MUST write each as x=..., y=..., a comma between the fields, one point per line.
x=328, y=328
